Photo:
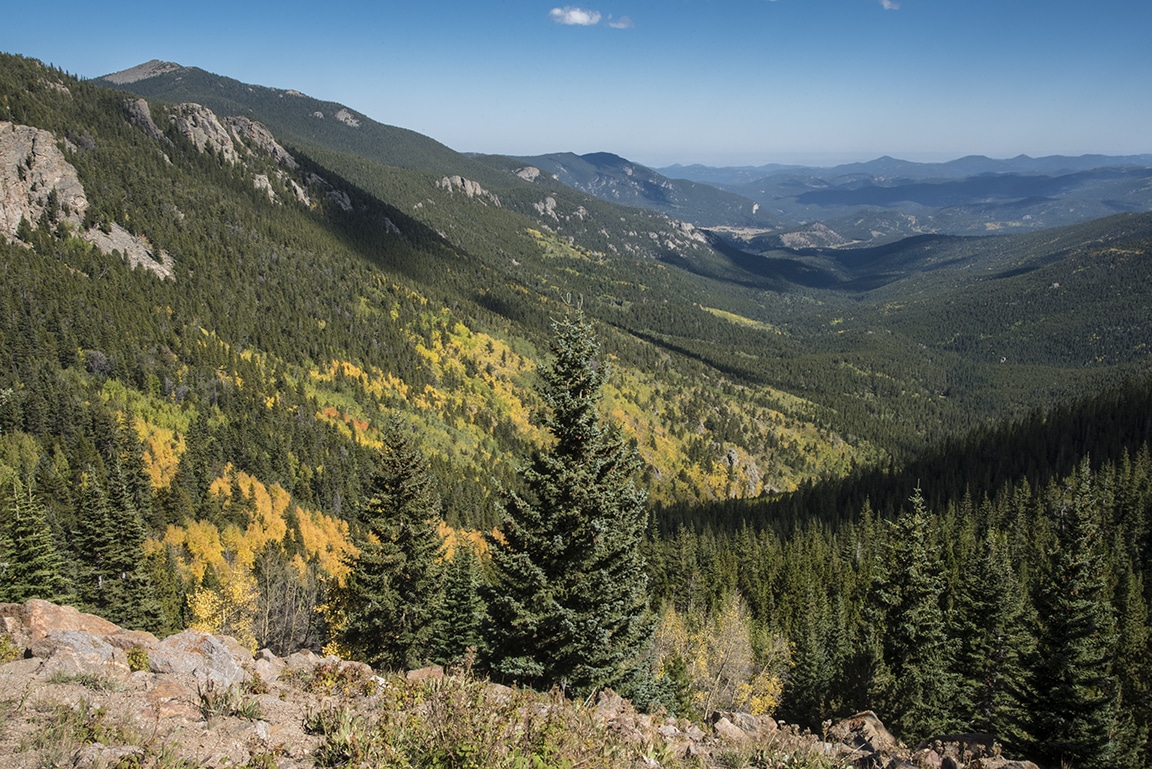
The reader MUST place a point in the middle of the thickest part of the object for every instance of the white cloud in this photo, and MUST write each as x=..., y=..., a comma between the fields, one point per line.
x=890, y=5
x=578, y=16
x=622, y=23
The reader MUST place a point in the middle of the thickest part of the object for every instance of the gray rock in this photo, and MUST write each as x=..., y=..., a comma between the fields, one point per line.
x=258, y=136
x=210, y=658
x=78, y=652
x=302, y=660
x=31, y=167
x=141, y=116
x=470, y=188
x=201, y=127
x=727, y=730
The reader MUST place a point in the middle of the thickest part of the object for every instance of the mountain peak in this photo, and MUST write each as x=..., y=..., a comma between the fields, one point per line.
x=142, y=71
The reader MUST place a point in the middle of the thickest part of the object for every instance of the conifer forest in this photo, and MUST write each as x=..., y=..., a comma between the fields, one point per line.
x=579, y=445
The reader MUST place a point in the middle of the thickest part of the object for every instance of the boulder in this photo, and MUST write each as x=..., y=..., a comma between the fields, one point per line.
x=133, y=639
x=866, y=733
x=868, y=740
x=302, y=660
x=746, y=722
x=78, y=652
x=727, y=730
x=422, y=674
x=212, y=659
x=267, y=666
x=610, y=705
x=34, y=619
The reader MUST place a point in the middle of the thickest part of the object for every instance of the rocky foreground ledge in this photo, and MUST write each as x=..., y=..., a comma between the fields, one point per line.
x=79, y=691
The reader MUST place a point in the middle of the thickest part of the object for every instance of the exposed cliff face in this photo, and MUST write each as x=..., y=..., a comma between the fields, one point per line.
x=37, y=179
x=141, y=116
x=250, y=132
x=201, y=127
x=32, y=167
x=469, y=188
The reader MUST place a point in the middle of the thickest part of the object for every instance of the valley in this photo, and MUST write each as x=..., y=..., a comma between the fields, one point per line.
x=855, y=411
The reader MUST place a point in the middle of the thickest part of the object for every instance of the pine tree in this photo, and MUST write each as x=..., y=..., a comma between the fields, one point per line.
x=568, y=598
x=395, y=588
x=1134, y=671
x=1074, y=692
x=30, y=565
x=809, y=690
x=89, y=542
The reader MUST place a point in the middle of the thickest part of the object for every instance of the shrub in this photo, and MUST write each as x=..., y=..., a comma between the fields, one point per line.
x=218, y=701
x=138, y=659
x=9, y=651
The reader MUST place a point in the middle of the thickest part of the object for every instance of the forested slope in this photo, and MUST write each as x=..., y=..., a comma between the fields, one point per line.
x=195, y=447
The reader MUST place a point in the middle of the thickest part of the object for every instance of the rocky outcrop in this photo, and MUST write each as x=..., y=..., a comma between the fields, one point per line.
x=547, y=207
x=870, y=745
x=347, y=118
x=36, y=179
x=141, y=116
x=208, y=701
x=201, y=127
x=135, y=249
x=468, y=187
x=528, y=173
x=34, y=174
x=254, y=134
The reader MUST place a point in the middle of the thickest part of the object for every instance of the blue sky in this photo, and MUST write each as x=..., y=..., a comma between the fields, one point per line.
x=723, y=82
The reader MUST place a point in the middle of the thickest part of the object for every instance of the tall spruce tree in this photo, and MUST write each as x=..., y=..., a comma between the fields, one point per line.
x=567, y=602
x=30, y=565
x=995, y=643
x=918, y=687
x=1075, y=694
x=462, y=613
x=113, y=578
x=395, y=588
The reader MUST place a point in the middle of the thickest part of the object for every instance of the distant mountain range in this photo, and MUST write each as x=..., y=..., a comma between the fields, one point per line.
x=970, y=165
x=868, y=203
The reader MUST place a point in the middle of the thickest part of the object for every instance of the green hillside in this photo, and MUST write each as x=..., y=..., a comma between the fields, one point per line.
x=192, y=441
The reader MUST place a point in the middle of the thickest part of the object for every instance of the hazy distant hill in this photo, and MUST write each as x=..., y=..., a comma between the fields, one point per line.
x=970, y=165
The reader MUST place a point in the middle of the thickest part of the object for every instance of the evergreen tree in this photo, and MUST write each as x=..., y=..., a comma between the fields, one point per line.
x=89, y=542
x=568, y=601
x=463, y=608
x=918, y=687
x=994, y=645
x=809, y=689
x=114, y=579
x=1134, y=671
x=395, y=588
x=1074, y=691
x=30, y=565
